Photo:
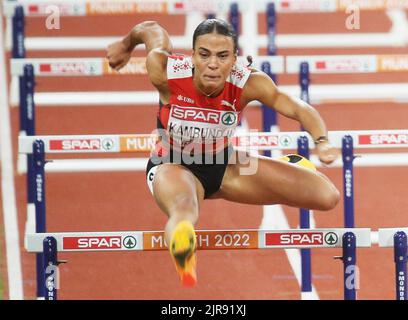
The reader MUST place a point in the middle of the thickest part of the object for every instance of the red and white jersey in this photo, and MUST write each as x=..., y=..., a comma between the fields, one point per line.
x=193, y=119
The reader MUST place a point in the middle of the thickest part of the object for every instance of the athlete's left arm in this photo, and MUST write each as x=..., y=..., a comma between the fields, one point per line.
x=262, y=88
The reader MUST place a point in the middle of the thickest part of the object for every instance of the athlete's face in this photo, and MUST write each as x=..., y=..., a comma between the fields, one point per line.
x=213, y=59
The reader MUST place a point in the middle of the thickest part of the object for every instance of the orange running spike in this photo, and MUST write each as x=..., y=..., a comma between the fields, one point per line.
x=183, y=247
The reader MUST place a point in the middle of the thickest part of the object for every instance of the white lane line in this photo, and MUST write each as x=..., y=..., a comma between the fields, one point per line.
x=274, y=218
x=15, y=283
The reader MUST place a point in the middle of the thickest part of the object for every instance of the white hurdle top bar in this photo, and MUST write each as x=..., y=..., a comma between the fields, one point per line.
x=206, y=239
x=251, y=140
x=386, y=236
x=110, y=7
x=100, y=66
x=279, y=64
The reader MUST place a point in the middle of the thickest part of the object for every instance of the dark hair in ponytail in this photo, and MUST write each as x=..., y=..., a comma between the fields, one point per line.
x=250, y=60
x=216, y=25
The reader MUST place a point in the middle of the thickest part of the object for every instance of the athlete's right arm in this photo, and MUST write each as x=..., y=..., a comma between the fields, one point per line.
x=158, y=47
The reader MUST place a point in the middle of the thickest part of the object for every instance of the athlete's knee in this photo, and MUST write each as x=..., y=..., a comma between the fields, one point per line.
x=329, y=198
x=184, y=205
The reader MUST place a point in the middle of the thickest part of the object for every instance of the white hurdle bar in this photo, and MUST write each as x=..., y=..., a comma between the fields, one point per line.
x=319, y=64
x=319, y=94
x=139, y=164
x=364, y=139
x=206, y=239
x=248, y=9
x=241, y=239
x=212, y=239
x=386, y=236
x=121, y=143
x=107, y=7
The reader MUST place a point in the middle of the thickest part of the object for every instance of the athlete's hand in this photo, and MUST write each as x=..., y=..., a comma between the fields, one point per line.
x=118, y=55
x=326, y=152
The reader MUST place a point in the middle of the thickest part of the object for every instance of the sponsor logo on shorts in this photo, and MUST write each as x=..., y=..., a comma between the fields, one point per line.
x=383, y=139
x=75, y=144
x=151, y=176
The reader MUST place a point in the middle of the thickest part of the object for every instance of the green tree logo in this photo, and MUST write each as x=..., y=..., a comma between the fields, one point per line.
x=129, y=242
x=331, y=238
x=229, y=118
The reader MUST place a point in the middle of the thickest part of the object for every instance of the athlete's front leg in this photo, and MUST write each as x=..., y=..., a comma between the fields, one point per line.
x=266, y=181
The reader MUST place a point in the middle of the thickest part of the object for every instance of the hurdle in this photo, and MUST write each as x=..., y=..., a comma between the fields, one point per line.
x=347, y=239
x=52, y=243
x=249, y=10
x=397, y=238
x=142, y=143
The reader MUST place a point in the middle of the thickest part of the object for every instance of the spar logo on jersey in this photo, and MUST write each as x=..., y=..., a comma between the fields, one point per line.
x=75, y=145
x=294, y=239
x=383, y=139
x=92, y=243
x=196, y=115
x=228, y=118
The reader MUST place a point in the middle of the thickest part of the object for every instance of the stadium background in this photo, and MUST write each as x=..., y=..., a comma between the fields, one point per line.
x=121, y=201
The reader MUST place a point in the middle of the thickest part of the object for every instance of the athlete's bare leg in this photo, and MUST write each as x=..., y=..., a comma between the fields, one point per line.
x=178, y=193
x=277, y=182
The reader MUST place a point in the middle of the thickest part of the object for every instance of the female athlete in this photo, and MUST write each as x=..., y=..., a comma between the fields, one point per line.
x=201, y=101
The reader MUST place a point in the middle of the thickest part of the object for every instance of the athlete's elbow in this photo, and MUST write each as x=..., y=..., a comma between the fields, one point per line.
x=150, y=24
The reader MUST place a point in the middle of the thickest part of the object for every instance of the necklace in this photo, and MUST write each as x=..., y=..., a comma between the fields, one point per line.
x=208, y=95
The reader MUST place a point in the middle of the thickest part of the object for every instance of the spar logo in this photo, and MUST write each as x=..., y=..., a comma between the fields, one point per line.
x=331, y=238
x=92, y=243
x=383, y=139
x=229, y=118
x=129, y=242
x=99, y=243
x=342, y=65
x=285, y=140
x=107, y=144
x=294, y=239
x=67, y=68
x=75, y=144
x=258, y=141
x=196, y=115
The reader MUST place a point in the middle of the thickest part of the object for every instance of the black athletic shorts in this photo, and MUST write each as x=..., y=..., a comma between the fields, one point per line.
x=208, y=168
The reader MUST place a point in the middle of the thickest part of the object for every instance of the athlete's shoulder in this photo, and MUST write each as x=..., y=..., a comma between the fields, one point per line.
x=239, y=75
x=258, y=84
x=179, y=66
